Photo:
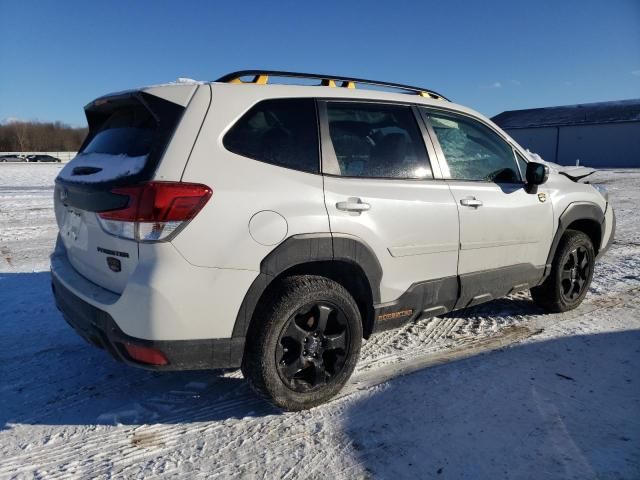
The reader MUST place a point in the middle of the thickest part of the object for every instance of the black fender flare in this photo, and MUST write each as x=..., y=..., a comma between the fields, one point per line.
x=574, y=211
x=307, y=248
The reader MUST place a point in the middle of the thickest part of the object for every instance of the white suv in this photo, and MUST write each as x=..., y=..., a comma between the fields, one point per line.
x=273, y=226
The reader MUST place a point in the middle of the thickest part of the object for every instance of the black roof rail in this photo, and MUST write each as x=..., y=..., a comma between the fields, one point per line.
x=262, y=77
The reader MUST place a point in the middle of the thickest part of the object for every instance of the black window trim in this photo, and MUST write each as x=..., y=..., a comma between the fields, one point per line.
x=516, y=153
x=442, y=159
x=268, y=99
x=329, y=161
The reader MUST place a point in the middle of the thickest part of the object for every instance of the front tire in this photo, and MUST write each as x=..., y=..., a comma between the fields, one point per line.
x=571, y=274
x=304, y=342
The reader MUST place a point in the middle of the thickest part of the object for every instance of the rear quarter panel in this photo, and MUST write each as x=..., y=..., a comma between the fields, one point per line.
x=177, y=153
x=219, y=236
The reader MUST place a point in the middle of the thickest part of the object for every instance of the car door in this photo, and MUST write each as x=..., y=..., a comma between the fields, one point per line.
x=381, y=188
x=505, y=229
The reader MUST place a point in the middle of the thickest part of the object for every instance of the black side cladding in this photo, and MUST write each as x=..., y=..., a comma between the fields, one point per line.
x=485, y=285
x=430, y=298
x=162, y=114
x=303, y=249
x=575, y=212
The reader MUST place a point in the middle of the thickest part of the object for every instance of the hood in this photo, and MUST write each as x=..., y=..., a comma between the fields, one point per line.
x=576, y=173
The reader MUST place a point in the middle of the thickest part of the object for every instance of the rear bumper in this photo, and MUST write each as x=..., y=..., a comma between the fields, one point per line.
x=98, y=328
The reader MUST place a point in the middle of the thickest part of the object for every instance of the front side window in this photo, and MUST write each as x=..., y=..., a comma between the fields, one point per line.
x=377, y=140
x=473, y=151
x=281, y=132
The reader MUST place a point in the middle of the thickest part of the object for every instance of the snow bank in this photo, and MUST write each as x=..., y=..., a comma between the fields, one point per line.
x=101, y=167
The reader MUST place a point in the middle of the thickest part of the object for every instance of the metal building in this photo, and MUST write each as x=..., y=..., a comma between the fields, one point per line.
x=605, y=134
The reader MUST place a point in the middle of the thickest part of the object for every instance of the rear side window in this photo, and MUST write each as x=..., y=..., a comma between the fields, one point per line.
x=282, y=132
x=377, y=140
x=473, y=151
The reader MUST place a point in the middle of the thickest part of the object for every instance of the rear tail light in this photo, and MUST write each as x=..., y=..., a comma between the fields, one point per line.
x=156, y=211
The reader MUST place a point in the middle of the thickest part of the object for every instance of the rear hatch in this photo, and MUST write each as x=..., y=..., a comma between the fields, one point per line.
x=128, y=134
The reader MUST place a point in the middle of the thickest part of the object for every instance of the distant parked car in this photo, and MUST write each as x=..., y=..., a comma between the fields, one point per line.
x=42, y=158
x=12, y=158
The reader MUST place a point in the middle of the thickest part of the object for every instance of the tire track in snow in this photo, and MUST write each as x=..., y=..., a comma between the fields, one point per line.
x=122, y=452
x=42, y=455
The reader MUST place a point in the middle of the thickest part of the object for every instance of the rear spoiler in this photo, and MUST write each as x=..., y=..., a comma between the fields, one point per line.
x=178, y=93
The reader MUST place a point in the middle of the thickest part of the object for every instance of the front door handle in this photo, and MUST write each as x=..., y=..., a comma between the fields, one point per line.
x=471, y=202
x=353, y=204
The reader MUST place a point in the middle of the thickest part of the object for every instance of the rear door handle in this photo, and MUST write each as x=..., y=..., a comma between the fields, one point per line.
x=471, y=202
x=353, y=204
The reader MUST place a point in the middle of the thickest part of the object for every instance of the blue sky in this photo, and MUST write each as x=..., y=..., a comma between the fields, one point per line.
x=489, y=55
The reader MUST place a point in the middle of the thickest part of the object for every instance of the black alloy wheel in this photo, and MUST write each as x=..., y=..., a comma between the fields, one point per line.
x=313, y=347
x=303, y=343
x=575, y=274
x=571, y=272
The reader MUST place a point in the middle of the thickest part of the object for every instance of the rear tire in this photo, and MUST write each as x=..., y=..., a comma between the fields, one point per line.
x=571, y=274
x=303, y=343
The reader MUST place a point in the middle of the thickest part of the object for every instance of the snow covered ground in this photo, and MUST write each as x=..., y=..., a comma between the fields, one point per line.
x=498, y=391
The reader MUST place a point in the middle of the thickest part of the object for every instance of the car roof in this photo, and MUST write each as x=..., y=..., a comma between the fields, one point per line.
x=338, y=87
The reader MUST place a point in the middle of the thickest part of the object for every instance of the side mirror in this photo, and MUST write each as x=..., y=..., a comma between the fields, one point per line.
x=537, y=173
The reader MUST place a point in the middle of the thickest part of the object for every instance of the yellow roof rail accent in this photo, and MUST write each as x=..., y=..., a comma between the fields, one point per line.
x=430, y=95
x=261, y=77
x=257, y=79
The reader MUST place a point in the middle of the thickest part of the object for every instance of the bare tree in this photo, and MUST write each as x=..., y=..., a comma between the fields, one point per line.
x=40, y=136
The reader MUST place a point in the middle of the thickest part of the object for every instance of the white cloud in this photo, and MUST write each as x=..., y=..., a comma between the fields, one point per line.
x=517, y=83
x=636, y=73
x=9, y=120
x=492, y=85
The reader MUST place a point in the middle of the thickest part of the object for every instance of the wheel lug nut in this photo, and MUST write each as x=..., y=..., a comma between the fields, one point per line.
x=315, y=334
x=305, y=353
x=315, y=355
x=306, y=340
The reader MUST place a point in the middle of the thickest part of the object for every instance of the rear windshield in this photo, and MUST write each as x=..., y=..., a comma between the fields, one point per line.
x=129, y=130
x=127, y=137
